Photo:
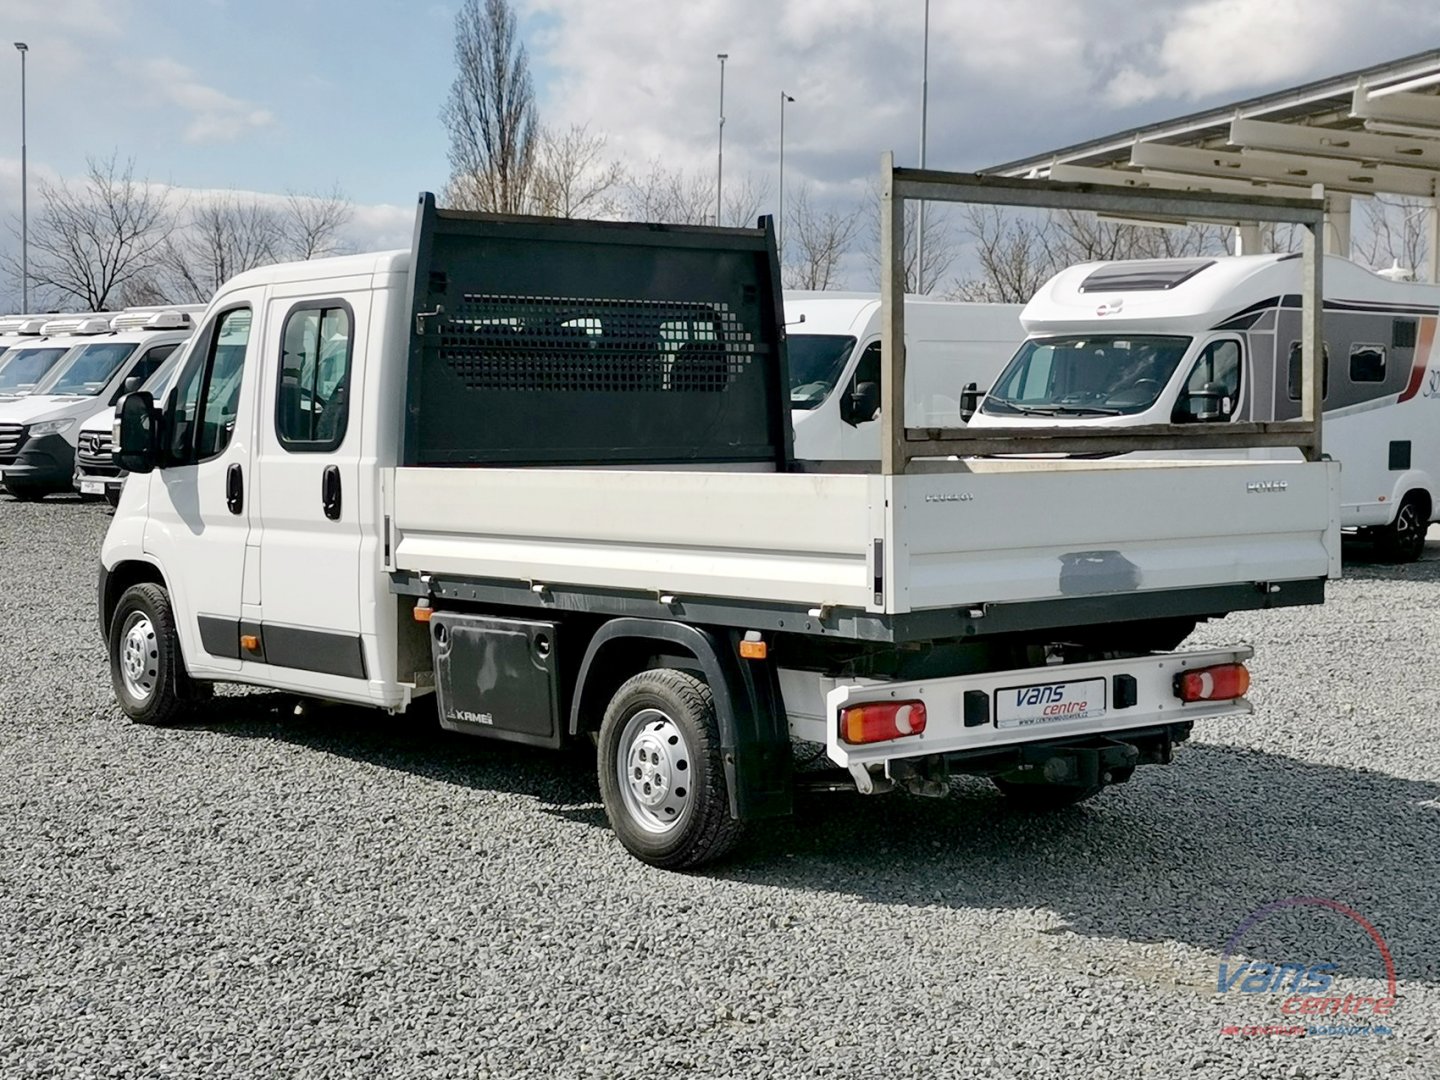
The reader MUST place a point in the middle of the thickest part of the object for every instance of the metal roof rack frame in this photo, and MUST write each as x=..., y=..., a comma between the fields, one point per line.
x=946, y=448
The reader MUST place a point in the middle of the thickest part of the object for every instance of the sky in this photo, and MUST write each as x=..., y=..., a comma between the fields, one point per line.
x=307, y=95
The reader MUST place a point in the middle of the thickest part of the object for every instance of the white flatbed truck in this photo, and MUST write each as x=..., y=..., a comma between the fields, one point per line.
x=543, y=469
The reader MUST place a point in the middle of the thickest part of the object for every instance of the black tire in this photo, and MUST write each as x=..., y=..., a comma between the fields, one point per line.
x=1042, y=797
x=680, y=729
x=1403, y=540
x=26, y=492
x=112, y=496
x=143, y=629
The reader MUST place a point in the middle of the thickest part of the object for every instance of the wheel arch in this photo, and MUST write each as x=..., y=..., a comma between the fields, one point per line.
x=754, y=733
x=115, y=580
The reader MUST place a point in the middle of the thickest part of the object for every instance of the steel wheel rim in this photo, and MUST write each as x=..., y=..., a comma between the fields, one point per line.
x=139, y=656
x=653, y=767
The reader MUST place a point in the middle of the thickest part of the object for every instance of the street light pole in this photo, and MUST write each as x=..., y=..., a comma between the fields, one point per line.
x=24, y=193
x=720, y=161
x=780, y=244
x=924, y=111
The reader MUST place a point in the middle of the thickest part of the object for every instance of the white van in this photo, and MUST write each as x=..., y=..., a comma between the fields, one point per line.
x=33, y=346
x=96, y=472
x=1214, y=340
x=38, y=432
x=833, y=341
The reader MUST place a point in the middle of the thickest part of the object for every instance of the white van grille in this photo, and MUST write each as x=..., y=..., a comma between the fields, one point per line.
x=11, y=435
x=93, y=452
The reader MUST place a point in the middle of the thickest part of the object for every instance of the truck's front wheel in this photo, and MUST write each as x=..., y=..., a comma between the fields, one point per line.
x=146, y=668
x=661, y=775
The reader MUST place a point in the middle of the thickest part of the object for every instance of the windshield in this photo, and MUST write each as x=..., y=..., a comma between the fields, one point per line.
x=21, y=369
x=1086, y=376
x=816, y=363
x=87, y=371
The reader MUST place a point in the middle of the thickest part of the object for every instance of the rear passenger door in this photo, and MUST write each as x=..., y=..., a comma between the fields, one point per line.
x=308, y=470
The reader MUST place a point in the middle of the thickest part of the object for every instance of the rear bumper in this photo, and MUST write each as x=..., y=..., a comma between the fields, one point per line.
x=975, y=715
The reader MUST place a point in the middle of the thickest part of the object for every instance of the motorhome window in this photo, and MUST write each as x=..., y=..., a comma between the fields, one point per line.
x=1367, y=363
x=88, y=370
x=22, y=369
x=1295, y=371
x=1212, y=389
x=312, y=407
x=1086, y=376
x=1145, y=275
x=208, y=395
x=816, y=363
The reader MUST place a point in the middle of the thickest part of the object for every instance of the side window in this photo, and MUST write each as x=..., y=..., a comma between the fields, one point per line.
x=1295, y=362
x=207, y=393
x=1212, y=389
x=151, y=361
x=312, y=407
x=1367, y=363
x=867, y=370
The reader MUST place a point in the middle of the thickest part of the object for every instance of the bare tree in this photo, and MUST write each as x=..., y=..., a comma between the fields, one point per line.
x=222, y=237
x=1016, y=253
x=312, y=224
x=90, y=240
x=672, y=196
x=745, y=200
x=1394, y=233
x=939, y=253
x=491, y=114
x=816, y=242
x=573, y=177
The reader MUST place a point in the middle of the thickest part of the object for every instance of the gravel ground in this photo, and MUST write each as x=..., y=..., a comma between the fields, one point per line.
x=339, y=894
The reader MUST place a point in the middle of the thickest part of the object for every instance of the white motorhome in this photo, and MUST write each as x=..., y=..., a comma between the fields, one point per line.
x=543, y=470
x=834, y=355
x=39, y=432
x=1209, y=341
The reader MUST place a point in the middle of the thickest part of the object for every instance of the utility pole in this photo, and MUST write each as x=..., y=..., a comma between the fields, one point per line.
x=720, y=162
x=780, y=243
x=924, y=111
x=24, y=193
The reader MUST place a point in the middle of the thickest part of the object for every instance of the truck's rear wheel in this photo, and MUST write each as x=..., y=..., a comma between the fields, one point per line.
x=661, y=775
x=1040, y=797
x=1403, y=540
x=146, y=668
x=26, y=492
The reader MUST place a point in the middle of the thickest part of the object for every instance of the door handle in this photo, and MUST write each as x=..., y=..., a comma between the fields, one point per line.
x=234, y=488
x=330, y=492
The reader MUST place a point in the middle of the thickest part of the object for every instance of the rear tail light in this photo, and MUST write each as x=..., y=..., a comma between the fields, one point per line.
x=1219, y=683
x=879, y=721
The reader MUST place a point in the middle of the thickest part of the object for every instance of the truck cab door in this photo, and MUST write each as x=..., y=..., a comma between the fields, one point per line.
x=200, y=509
x=310, y=503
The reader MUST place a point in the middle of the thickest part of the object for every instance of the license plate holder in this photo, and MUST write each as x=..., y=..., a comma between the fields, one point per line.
x=1057, y=701
x=92, y=487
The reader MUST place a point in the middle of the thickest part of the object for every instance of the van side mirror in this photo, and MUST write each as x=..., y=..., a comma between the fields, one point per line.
x=131, y=384
x=970, y=401
x=860, y=405
x=137, y=433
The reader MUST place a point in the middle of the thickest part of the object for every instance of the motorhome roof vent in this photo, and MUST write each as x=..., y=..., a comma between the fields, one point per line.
x=77, y=324
x=151, y=320
x=1149, y=275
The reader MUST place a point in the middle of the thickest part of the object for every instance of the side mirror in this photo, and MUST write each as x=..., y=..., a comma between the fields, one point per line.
x=131, y=384
x=137, y=433
x=970, y=401
x=861, y=404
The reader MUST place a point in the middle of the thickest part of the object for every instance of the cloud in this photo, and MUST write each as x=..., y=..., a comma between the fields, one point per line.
x=214, y=115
